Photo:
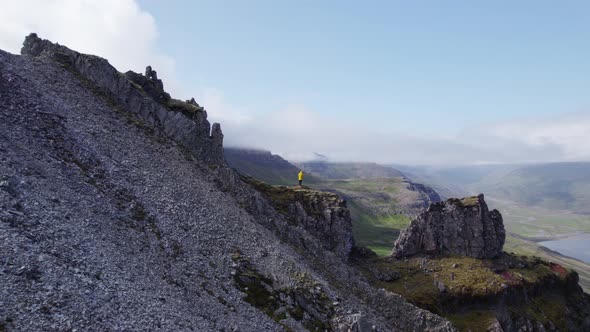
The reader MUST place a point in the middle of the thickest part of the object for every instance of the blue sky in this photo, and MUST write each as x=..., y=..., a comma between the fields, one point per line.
x=416, y=82
x=425, y=65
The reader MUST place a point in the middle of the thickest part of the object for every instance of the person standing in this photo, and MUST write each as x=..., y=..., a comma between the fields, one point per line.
x=300, y=177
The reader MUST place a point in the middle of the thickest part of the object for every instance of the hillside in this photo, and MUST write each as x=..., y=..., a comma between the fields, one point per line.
x=381, y=200
x=557, y=186
x=340, y=171
x=451, y=181
x=264, y=165
x=118, y=212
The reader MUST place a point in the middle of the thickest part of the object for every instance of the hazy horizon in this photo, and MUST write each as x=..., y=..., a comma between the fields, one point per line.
x=387, y=82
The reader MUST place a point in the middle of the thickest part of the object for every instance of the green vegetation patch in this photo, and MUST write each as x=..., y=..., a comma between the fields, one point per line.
x=183, y=107
x=386, y=185
x=522, y=246
x=470, y=201
x=377, y=232
x=549, y=308
x=261, y=294
x=457, y=287
x=258, y=289
x=466, y=201
x=473, y=320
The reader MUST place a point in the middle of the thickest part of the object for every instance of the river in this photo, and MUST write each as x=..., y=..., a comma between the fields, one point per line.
x=577, y=246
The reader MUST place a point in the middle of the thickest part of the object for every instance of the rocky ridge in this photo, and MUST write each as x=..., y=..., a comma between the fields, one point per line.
x=323, y=214
x=456, y=226
x=185, y=122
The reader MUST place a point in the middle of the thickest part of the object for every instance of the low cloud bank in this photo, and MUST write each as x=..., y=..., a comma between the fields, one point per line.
x=297, y=133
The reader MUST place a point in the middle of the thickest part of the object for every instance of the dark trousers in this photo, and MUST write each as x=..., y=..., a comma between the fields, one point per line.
x=300, y=181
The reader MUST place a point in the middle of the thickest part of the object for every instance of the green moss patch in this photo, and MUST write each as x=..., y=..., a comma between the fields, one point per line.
x=261, y=294
x=474, y=320
x=466, y=290
x=183, y=107
x=466, y=201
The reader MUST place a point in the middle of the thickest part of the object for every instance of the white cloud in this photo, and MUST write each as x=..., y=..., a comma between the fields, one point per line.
x=118, y=30
x=126, y=35
x=568, y=135
x=297, y=132
x=219, y=109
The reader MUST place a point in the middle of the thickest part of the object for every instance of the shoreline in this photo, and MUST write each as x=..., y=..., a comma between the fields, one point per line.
x=577, y=249
x=539, y=239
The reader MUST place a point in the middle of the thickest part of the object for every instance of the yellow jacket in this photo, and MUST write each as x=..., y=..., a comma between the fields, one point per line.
x=300, y=175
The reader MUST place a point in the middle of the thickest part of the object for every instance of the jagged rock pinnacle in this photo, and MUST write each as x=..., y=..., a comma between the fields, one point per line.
x=457, y=226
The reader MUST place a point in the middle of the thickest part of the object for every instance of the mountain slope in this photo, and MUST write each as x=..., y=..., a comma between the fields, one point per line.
x=265, y=166
x=562, y=186
x=340, y=171
x=117, y=212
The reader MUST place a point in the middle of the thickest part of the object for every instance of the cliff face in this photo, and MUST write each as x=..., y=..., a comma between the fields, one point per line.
x=186, y=122
x=324, y=215
x=456, y=226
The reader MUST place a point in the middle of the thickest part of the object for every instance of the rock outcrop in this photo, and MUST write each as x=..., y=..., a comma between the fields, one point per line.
x=323, y=215
x=142, y=95
x=455, y=226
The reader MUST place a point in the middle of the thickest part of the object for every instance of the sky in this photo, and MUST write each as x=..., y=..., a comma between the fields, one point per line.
x=404, y=82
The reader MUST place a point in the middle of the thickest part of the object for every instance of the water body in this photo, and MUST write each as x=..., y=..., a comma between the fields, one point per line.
x=577, y=247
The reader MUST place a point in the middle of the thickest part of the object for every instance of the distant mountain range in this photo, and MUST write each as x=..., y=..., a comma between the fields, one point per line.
x=264, y=166
x=338, y=171
x=563, y=186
